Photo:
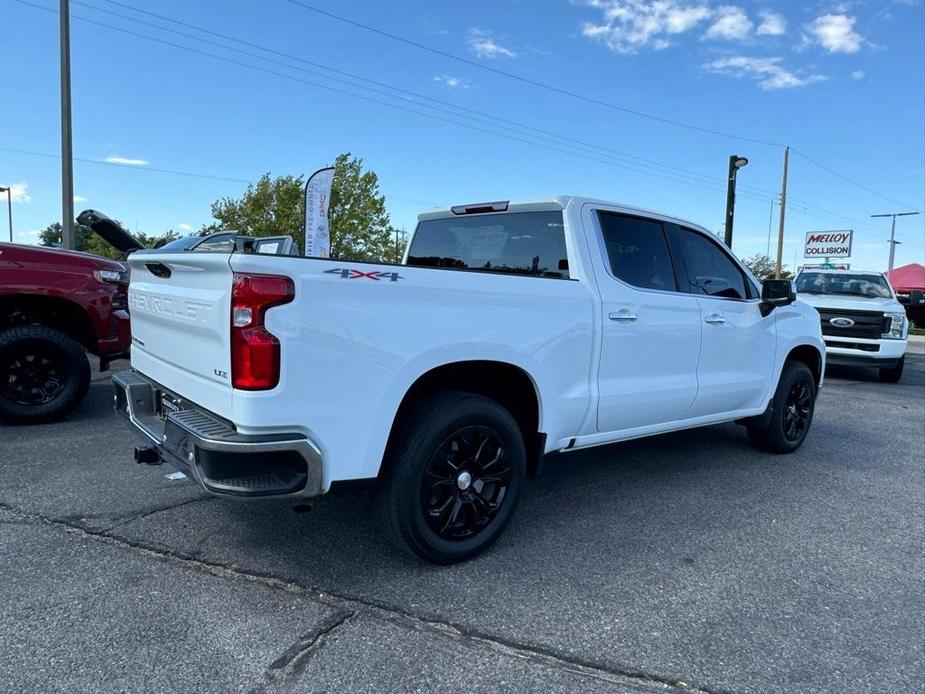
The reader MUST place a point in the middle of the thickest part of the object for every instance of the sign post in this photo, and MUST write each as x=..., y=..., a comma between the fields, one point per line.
x=317, y=199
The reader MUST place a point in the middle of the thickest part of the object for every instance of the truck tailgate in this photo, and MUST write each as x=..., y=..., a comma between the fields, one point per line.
x=180, y=311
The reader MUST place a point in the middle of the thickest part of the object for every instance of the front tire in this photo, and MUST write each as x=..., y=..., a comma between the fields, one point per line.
x=894, y=374
x=451, y=477
x=44, y=374
x=783, y=429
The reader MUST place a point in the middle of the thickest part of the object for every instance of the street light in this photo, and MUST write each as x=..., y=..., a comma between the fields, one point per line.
x=9, y=207
x=735, y=163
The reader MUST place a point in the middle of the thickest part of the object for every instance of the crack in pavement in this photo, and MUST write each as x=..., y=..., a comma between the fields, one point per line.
x=294, y=660
x=351, y=607
x=125, y=520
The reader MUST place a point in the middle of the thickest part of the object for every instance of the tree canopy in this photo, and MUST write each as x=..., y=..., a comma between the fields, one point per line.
x=87, y=241
x=359, y=224
x=763, y=267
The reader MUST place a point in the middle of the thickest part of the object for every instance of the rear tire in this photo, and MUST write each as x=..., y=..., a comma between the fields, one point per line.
x=44, y=374
x=451, y=477
x=784, y=428
x=893, y=375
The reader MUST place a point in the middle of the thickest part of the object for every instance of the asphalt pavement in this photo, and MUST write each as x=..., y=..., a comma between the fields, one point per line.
x=686, y=562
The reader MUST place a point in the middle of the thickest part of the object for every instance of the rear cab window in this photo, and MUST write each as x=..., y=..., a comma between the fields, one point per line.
x=514, y=243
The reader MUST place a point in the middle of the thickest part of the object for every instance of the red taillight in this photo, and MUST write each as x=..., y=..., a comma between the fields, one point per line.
x=254, y=350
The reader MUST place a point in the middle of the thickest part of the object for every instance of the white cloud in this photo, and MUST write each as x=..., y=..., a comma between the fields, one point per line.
x=19, y=192
x=629, y=25
x=30, y=236
x=483, y=44
x=185, y=227
x=858, y=75
x=116, y=159
x=772, y=24
x=731, y=23
x=834, y=32
x=79, y=198
x=768, y=72
x=450, y=81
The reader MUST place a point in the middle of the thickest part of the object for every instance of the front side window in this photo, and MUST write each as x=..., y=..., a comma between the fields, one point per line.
x=518, y=243
x=710, y=271
x=638, y=251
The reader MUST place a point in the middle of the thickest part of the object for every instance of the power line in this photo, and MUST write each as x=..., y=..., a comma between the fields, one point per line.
x=851, y=181
x=455, y=107
x=630, y=167
x=635, y=164
x=559, y=136
x=582, y=97
x=527, y=80
x=102, y=162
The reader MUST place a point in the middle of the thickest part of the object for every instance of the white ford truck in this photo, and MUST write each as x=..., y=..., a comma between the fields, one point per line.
x=863, y=323
x=511, y=330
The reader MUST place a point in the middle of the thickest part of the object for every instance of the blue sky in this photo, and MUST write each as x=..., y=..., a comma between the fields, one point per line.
x=842, y=82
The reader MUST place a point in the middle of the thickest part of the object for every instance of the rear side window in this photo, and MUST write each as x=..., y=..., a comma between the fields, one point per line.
x=638, y=251
x=709, y=269
x=519, y=243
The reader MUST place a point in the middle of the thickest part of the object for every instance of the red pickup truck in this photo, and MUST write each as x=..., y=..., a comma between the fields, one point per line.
x=55, y=307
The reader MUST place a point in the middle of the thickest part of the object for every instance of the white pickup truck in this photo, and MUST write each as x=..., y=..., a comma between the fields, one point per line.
x=511, y=330
x=863, y=323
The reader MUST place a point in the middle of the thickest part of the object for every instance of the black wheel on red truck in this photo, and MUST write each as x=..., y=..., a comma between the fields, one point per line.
x=893, y=374
x=451, y=478
x=44, y=374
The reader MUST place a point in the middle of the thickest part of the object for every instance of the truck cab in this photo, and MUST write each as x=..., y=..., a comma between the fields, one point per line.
x=863, y=322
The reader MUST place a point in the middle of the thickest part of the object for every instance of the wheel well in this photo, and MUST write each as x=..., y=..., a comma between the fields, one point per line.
x=53, y=312
x=810, y=356
x=505, y=383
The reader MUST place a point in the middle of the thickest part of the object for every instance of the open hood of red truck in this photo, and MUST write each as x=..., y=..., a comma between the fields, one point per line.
x=109, y=231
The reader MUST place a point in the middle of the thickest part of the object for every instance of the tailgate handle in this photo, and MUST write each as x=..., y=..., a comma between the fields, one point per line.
x=158, y=269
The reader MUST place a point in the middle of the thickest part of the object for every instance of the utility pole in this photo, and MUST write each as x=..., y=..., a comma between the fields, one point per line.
x=893, y=240
x=735, y=163
x=9, y=206
x=67, y=154
x=767, y=253
x=783, y=211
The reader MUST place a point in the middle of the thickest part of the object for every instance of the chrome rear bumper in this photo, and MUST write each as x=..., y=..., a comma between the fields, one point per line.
x=210, y=449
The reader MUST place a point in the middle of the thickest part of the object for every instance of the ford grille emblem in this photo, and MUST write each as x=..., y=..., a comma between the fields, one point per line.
x=841, y=322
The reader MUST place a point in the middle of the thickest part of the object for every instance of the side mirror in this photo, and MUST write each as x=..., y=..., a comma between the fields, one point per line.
x=776, y=293
x=916, y=297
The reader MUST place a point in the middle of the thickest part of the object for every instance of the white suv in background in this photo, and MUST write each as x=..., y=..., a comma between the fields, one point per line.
x=863, y=323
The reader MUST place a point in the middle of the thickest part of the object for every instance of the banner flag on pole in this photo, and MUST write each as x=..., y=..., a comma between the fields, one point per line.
x=317, y=197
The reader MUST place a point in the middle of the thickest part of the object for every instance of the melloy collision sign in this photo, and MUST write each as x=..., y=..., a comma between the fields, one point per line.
x=828, y=244
x=317, y=199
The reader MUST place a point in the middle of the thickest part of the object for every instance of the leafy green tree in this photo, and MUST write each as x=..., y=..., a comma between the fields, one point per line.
x=763, y=267
x=359, y=224
x=89, y=242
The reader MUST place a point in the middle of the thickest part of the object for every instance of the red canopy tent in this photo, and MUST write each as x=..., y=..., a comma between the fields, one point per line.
x=904, y=279
x=911, y=276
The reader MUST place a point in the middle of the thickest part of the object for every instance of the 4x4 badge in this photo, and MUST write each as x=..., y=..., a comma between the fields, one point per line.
x=351, y=274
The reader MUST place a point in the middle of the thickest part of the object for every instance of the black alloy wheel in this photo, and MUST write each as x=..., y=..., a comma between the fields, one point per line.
x=797, y=410
x=465, y=483
x=784, y=425
x=32, y=376
x=451, y=476
x=44, y=374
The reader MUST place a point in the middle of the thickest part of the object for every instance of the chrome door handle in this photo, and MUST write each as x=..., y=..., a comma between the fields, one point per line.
x=623, y=315
x=714, y=319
